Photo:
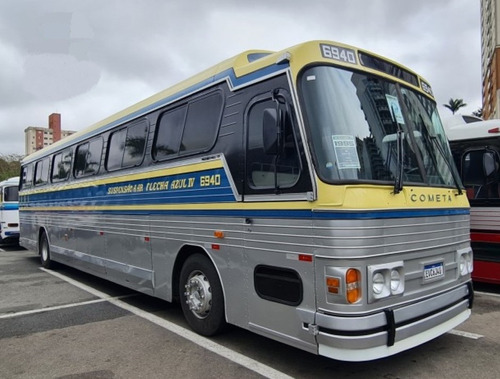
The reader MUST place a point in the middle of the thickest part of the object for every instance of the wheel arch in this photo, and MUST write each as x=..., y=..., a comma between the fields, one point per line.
x=184, y=253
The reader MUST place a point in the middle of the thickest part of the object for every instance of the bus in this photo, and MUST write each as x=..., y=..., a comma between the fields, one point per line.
x=475, y=146
x=308, y=195
x=9, y=211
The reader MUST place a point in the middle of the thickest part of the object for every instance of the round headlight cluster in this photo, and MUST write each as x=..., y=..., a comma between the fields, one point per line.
x=395, y=280
x=386, y=280
x=378, y=283
x=465, y=264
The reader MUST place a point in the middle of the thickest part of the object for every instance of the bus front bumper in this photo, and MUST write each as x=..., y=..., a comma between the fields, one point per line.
x=391, y=331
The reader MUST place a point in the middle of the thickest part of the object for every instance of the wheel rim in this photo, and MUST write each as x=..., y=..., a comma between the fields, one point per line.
x=198, y=294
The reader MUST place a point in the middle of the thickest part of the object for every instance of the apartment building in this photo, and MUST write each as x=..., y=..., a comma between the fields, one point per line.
x=36, y=138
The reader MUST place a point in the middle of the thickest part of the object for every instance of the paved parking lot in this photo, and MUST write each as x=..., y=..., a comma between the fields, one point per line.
x=66, y=324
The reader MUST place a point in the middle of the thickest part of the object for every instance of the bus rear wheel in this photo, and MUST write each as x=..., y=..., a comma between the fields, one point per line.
x=201, y=296
x=45, y=251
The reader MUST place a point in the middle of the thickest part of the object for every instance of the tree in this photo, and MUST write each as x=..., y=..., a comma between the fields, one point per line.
x=455, y=104
x=10, y=165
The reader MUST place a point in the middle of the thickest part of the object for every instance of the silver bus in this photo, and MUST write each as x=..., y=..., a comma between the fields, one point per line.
x=307, y=195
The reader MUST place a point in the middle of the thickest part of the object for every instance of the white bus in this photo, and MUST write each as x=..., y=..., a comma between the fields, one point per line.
x=476, y=148
x=308, y=195
x=9, y=211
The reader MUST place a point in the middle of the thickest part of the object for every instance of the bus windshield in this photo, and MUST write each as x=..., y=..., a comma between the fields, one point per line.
x=10, y=193
x=367, y=128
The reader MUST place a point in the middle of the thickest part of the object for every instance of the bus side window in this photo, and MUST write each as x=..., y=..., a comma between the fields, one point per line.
x=126, y=146
x=190, y=128
x=27, y=176
x=61, y=166
x=42, y=172
x=88, y=158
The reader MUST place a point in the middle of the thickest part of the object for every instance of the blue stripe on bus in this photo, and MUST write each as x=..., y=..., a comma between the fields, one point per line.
x=208, y=186
x=287, y=213
x=9, y=207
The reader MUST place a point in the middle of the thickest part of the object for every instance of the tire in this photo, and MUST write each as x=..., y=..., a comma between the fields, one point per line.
x=201, y=296
x=45, y=252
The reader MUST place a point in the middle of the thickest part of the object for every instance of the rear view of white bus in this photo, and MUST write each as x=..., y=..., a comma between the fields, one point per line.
x=9, y=211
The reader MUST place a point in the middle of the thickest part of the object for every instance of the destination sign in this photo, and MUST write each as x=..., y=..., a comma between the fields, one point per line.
x=338, y=53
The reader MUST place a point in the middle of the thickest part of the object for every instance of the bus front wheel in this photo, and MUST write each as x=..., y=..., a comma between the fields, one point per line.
x=201, y=296
x=45, y=251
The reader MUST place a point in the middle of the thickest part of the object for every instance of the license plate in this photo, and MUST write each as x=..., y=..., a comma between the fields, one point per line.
x=433, y=271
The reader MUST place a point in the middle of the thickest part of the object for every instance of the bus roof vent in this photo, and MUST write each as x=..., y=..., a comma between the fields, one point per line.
x=252, y=57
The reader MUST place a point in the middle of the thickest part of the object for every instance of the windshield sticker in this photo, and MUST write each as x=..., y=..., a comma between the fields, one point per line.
x=346, y=152
x=395, y=109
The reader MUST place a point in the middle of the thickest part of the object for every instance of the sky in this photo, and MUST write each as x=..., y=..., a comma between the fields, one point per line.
x=88, y=59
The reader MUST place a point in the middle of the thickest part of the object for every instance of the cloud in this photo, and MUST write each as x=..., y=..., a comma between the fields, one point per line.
x=52, y=77
x=89, y=59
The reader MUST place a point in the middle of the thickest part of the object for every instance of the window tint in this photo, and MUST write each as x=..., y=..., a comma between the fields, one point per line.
x=115, y=150
x=135, y=144
x=126, y=146
x=188, y=129
x=42, y=172
x=27, y=176
x=88, y=158
x=10, y=194
x=61, y=165
x=202, y=123
x=169, y=133
x=481, y=174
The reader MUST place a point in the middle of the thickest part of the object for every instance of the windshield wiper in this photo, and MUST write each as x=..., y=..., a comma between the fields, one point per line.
x=398, y=181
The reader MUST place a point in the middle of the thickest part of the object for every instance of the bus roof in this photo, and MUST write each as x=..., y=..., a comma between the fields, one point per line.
x=469, y=129
x=239, y=71
x=10, y=181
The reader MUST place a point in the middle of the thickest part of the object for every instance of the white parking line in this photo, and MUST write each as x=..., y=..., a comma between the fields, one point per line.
x=205, y=343
x=487, y=293
x=473, y=336
x=48, y=309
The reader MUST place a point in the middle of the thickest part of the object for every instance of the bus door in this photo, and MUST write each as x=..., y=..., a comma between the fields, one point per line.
x=278, y=243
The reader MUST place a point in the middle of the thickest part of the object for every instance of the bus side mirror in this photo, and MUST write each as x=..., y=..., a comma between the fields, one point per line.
x=270, y=131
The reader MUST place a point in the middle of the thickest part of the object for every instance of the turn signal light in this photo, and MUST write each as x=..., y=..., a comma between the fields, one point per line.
x=333, y=284
x=353, y=285
x=218, y=234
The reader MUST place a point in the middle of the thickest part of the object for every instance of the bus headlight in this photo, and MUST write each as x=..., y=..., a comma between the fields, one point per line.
x=397, y=280
x=465, y=261
x=385, y=280
x=379, y=286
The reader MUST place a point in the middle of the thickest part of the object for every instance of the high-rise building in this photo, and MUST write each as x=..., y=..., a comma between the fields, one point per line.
x=36, y=138
x=490, y=57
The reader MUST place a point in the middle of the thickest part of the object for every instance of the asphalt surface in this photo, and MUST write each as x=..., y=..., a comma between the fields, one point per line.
x=67, y=324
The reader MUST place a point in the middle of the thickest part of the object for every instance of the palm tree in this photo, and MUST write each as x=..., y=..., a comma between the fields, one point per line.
x=455, y=104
